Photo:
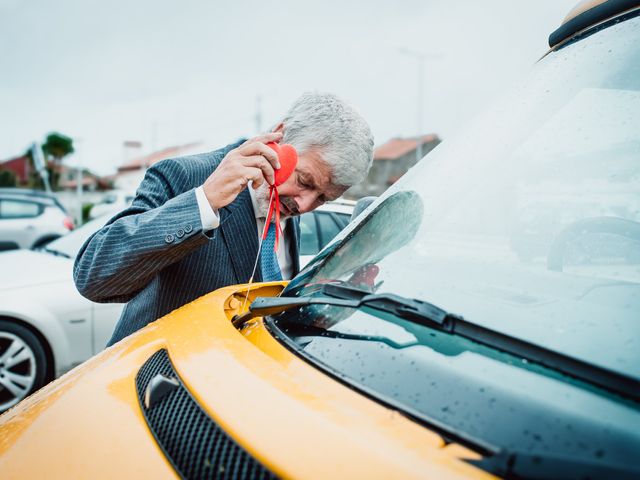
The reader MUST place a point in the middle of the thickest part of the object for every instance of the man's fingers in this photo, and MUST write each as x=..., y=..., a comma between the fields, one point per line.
x=263, y=138
x=258, y=161
x=252, y=174
x=258, y=148
x=267, y=137
x=248, y=174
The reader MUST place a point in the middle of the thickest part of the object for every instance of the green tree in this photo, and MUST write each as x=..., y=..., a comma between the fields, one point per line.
x=8, y=179
x=57, y=146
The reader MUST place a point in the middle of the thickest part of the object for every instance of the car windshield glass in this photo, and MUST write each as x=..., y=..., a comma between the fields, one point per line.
x=529, y=223
x=69, y=245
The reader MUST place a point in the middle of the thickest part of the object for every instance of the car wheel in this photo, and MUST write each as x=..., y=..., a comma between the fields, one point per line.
x=22, y=363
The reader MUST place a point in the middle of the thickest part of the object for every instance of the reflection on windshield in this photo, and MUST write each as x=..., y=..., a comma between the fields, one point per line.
x=391, y=225
x=530, y=223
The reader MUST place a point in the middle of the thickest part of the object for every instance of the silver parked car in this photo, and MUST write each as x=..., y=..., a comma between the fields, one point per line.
x=30, y=218
x=46, y=326
x=113, y=202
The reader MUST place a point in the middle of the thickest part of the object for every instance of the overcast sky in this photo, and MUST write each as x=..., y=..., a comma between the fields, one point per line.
x=168, y=72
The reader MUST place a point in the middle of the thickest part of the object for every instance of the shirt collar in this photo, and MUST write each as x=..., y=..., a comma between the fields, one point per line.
x=254, y=203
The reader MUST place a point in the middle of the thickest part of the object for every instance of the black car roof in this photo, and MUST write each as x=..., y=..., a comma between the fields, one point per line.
x=589, y=14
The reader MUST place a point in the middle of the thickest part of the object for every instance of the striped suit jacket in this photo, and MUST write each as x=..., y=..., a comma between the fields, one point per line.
x=155, y=256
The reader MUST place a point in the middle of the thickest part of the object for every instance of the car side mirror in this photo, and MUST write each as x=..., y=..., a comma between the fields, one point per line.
x=361, y=206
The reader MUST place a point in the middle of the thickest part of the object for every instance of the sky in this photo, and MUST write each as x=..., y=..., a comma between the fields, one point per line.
x=170, y=72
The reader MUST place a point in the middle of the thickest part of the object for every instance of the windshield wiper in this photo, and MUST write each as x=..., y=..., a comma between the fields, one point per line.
x=348, y=297
x=431, y=316
x=303, y=334
x=510, y=463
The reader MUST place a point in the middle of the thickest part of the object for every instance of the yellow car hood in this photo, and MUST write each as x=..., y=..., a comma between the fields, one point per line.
x=294, y=419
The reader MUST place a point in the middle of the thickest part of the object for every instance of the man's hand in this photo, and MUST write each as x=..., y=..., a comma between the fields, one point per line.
x=252, y=161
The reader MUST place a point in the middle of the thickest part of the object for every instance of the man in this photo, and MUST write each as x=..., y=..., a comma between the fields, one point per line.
x=194, y=225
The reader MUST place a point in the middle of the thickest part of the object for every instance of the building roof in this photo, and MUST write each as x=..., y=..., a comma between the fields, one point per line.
x=146, y=161
x=20, y=166
x=86, y=182
x=398, y=147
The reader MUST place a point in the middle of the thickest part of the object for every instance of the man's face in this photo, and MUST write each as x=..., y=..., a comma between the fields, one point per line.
x=308, y=187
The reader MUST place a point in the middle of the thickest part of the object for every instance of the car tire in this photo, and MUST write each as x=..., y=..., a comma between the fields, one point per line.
x=23, y=363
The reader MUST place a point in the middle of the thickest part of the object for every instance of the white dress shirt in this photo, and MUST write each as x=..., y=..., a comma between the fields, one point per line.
x=210, y=220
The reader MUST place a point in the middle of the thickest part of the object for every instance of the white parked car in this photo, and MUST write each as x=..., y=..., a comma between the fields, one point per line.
x=47, y=327
x=112, y=203
x=30, y=218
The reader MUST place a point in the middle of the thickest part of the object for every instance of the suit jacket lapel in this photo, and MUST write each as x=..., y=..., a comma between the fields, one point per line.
x=238, y=224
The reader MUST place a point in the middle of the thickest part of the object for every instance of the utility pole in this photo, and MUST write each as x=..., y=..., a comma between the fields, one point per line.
x=258, y=117
x=154, y=136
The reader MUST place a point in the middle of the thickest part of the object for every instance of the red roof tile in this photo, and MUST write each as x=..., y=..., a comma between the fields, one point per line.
x=148, y=160
x=397, y=147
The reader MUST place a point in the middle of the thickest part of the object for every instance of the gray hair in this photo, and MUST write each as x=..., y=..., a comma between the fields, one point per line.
x=325, y=122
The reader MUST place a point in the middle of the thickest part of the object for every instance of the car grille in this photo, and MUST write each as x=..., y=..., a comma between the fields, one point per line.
x=194, y=444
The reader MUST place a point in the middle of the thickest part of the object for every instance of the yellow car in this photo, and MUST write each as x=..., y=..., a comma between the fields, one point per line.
x=423, y=342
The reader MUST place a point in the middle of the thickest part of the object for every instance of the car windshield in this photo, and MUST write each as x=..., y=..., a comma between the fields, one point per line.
x=69, y=245
x=528, y=224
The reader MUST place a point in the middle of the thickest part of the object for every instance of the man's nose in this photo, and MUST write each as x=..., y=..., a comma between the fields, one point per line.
x=306, y=202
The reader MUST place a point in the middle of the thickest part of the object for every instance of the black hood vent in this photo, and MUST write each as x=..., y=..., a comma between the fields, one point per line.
x=194, y=444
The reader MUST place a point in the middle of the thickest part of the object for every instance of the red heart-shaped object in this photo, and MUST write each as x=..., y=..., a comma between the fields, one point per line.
x=288, y=157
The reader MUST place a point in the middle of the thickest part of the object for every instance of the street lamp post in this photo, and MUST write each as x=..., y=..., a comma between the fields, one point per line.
x=420, y=107
x=420, y=57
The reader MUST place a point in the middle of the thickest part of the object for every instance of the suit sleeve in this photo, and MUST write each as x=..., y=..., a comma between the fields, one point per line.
x=160, y=227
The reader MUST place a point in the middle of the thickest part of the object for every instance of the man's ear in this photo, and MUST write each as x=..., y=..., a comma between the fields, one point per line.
x=279, y=128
